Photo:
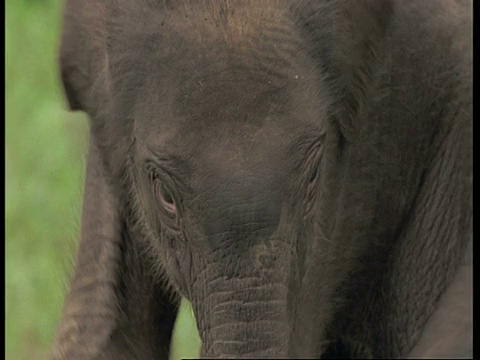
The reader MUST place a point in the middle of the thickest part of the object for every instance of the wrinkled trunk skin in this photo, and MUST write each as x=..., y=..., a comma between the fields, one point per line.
x=243, y=309
x=249, y=321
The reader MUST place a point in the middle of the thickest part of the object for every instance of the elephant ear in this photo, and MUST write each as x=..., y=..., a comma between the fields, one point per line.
x=116, y=307
x=348, y=42
x=83, y=56
x=91, y=309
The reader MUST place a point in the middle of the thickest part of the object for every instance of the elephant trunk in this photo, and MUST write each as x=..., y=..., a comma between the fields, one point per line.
x=246, y=319
x=242, y=293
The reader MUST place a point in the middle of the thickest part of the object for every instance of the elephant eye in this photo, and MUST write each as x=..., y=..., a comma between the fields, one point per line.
x=166, y=198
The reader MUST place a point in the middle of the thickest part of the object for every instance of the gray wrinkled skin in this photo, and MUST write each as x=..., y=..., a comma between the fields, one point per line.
x=299, y=170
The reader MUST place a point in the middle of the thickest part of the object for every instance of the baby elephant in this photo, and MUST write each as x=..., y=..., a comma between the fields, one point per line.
x=300, y=171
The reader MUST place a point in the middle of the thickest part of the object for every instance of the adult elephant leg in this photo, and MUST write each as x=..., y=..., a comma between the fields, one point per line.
x=97, y=308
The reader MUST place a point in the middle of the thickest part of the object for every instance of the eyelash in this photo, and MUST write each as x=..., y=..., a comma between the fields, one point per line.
x=170, y=220
x=166, y=198
x=161, y=183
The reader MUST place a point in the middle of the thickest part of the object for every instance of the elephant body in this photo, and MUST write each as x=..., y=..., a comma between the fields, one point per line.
x=300, y=171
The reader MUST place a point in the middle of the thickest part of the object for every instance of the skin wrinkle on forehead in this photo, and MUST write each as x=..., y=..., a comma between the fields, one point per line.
x=213, y=122
x=222, y=24
x=241, y=87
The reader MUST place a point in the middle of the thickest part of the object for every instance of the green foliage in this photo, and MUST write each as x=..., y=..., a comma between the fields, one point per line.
x=45, y=164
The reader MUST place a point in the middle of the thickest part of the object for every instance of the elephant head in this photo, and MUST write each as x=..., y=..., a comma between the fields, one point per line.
x=299, y=170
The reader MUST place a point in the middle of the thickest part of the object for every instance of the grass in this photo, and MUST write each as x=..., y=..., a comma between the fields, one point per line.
x=45, y=164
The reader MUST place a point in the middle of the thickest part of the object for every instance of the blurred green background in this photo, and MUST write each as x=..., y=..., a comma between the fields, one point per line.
x=45, y=165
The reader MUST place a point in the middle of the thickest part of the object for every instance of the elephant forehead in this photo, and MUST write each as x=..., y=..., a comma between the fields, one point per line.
x=221, y=94
x=238, y=92
x=241, y=175
x=252, y=153
x=232, y=142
